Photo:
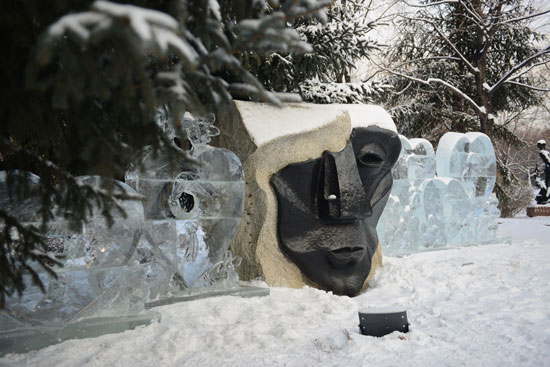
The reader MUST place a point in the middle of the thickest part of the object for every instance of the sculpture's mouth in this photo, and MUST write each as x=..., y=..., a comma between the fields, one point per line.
x=343, y=256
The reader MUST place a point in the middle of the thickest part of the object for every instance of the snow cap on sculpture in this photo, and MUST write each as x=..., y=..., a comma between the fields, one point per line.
x=362, y=115
x=313, y=172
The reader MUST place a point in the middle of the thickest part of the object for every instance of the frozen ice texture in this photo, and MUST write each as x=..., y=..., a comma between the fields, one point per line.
x=78, y=294
x=469, y=157
x=191, y=218
x=174, y=242
x=192, y=213
x=109, y=246
x=183, y=199
x=441, y=199
x=416, y=161
x=97, y=279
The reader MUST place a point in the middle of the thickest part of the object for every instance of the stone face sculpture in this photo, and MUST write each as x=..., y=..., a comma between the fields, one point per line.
x=317, y=179
x=329, y=208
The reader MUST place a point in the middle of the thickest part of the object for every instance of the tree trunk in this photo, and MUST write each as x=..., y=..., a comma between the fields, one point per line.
x=480, y=62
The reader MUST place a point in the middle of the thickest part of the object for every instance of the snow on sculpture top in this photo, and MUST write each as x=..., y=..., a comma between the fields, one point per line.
x=364, y=115
x=265, y=123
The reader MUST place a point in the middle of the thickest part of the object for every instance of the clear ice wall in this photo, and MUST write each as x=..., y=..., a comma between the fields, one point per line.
x=174, y=243
x=442, y=198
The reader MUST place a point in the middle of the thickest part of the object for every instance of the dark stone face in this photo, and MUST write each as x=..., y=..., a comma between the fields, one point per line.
x=328, y=209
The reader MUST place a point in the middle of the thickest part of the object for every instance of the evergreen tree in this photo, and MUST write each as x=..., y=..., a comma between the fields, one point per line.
x=323, y=75
x=83, y=81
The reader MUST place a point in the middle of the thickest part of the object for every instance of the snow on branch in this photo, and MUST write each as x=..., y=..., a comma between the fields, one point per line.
x=270, y=33
x=529, y=69
x=435, y=3
x=528, y=16
x=528, y=86
x=120, y=194
x=474, y=16
x=77, y=25
x=472, y=68
x=298, y=8
x=141, y=19
x=430, y=81
x=151, y=27
x=481, y=110
x=508, y=75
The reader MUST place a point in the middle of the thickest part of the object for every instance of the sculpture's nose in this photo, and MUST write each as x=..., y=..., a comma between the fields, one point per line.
x=340, y=192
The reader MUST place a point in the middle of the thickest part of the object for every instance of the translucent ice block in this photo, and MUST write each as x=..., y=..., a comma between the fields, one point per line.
x=453, y=208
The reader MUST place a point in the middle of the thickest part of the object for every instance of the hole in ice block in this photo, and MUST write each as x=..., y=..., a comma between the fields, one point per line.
x=186, y=201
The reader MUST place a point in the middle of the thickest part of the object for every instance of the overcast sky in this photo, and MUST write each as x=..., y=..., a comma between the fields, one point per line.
x=542, y=23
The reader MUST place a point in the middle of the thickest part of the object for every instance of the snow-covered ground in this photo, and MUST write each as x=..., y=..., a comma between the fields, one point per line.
x=475, y=306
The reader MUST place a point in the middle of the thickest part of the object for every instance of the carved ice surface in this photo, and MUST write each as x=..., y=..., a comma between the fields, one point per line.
x=416, y=161
x=441, y=199
x=114, y=246
x=97, y=279
x=469, y=157
x=174, y=242
x=192, y=213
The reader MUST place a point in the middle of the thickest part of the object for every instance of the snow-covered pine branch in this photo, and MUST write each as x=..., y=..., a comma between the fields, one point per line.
x=270, y=34
x=430, y=81
x=459, y=54
x=518, y=19
x=539, y=89
x=435, y=3
x=509, y=74
x=299, y=8
x=154, y=29
x=77, y=25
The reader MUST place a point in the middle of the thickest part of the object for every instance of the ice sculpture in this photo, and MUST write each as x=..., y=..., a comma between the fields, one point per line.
x=441, y=199
x=191, y=214
x=174, y=243
x=100, y=287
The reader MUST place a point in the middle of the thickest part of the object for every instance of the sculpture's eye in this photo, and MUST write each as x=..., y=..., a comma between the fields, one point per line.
x=370, y=158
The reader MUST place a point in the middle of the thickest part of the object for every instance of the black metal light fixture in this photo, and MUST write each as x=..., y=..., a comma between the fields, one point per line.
x=382, y=321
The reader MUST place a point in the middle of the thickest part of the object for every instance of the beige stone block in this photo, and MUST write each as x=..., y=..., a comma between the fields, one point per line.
x=267, y=139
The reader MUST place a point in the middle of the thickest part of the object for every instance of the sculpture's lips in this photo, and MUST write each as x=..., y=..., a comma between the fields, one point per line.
x=345, y=255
